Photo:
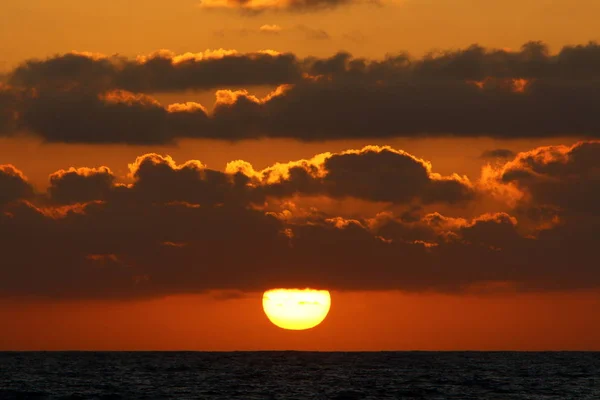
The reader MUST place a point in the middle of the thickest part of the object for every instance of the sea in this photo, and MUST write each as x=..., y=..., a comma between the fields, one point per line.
x=299, y=375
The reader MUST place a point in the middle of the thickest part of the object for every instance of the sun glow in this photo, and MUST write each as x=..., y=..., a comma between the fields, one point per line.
x=296, y=309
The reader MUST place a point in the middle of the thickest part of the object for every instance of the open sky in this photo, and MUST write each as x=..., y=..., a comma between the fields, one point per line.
x=435, y=164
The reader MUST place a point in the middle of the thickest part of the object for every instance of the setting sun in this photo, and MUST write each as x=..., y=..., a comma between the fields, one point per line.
x=296, y=309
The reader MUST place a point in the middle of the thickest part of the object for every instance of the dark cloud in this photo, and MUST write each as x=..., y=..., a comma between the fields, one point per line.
x=167, y=71
x=470, y=93
x=114, y=117
x=8, y=110
x=378, y=174
x=498, y=153
x=321, y=111
x=560, y=178
x=13, y=185
x=81, y=185
x=180, y=228
x=335, y=111
x=160, y=179
x=162, y=71
x=118, y=250
x=253, y=7
x=74, y=116
x=157, y=179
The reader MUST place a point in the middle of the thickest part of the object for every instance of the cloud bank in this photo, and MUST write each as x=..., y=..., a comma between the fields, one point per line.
x=184, y=228
x=474, y=92
x=254, y=7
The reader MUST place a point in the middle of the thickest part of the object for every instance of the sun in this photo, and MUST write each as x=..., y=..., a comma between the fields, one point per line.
x=296, y=309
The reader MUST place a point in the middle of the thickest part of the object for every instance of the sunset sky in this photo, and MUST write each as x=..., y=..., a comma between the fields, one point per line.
x=434, y=164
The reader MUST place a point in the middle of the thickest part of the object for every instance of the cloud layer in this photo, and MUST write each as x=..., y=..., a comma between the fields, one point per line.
x=84, y=98
x=253, y=7
x=167, y=71
x=183, y=228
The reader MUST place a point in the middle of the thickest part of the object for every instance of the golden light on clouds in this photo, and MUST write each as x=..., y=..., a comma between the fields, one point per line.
x=188, y=106
x=229, y=97
x=296, y=309
x=270, y=28
x=417, y=158
x=208, y=54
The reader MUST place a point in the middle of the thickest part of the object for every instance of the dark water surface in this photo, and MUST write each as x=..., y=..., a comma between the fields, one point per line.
x=299, y=375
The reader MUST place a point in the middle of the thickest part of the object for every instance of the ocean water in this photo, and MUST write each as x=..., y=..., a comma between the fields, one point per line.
x=299, y=375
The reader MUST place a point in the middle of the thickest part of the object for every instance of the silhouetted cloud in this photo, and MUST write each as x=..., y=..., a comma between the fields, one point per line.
x=376, y=174
x=83, y=117
x=181, y=228
x=159, y=178
x=559, y=178
x=162, y=71
x=253, y=7
x=167, y=71
x=80, y=185
x=13, y=185
x=318, y=111
x=379, y=174
x=8, y=111
x=78, y=98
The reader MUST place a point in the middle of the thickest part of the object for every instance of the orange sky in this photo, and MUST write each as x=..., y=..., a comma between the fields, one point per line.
x=543, y=315
x=136, y=27
x=369, y=321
